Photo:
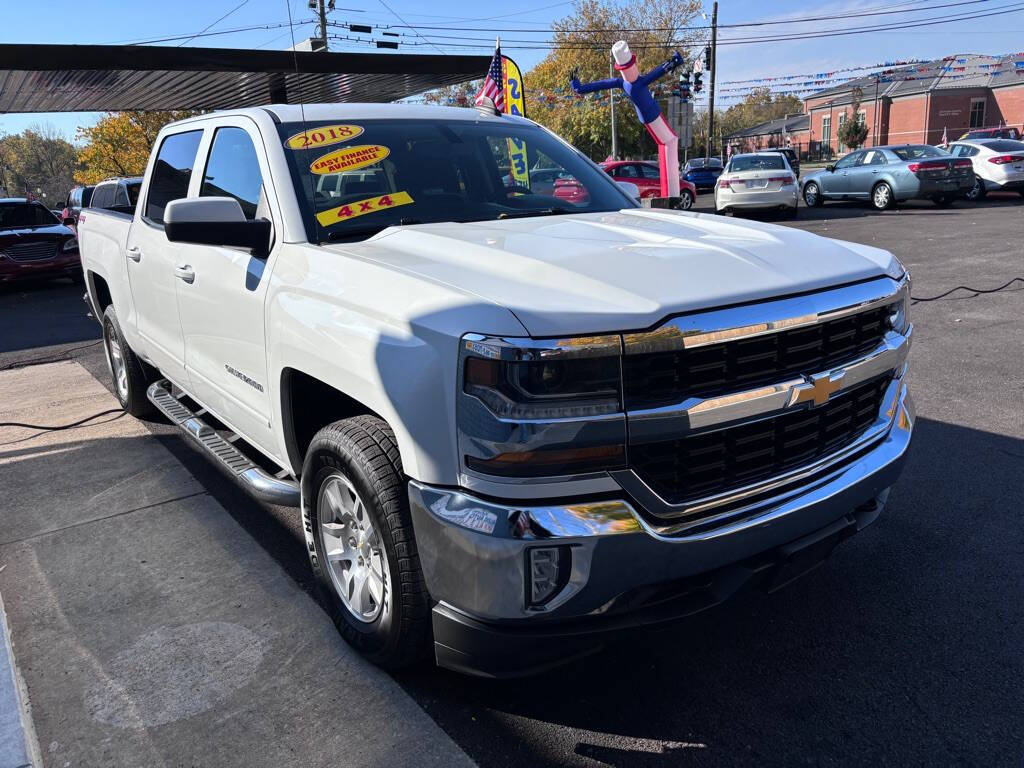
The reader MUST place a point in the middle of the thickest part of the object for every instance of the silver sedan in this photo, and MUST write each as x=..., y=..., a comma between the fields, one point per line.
x=758, y=180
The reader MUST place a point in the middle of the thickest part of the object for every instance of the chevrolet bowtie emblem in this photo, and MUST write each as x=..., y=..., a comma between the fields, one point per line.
x=819, y=389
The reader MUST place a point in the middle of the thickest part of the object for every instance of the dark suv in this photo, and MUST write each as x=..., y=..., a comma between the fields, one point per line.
x=791, y=156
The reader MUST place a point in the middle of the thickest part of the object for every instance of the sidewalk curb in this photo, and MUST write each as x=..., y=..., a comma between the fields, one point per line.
x=18, y=745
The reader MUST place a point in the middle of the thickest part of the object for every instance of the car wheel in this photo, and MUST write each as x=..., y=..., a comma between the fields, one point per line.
x=360, y=541
x=881, y=196
x=685, y=200
x=129, y=373
x=978, y=191
x=812, y=194
x=943, y=201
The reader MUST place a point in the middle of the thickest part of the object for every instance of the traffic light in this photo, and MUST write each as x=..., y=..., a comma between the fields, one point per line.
x=684, y=87
x=697, y=85
x=708, y=64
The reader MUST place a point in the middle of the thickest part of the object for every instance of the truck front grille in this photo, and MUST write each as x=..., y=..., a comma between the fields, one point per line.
x=37, y=251
x=662, y=378
x=706, y=464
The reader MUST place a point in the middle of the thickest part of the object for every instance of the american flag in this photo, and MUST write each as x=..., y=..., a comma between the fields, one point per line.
x=494, y=85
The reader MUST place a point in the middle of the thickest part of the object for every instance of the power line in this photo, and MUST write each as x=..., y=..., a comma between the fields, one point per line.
x=218, y=21
x=406, y=24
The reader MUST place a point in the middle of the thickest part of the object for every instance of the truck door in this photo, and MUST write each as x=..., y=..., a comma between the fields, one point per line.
x=222, y=306
x=151, y=257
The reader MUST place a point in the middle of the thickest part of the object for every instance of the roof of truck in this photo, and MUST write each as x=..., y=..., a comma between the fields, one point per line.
x=293, y=113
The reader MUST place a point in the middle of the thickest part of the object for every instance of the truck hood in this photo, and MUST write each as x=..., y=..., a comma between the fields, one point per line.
x=619, y=271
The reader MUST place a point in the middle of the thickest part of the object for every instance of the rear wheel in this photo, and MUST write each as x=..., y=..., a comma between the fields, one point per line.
x=685, y=200
x=812, y=194
x=978, y=191
x=360, y=540
x=881, y=196
x=130, y=374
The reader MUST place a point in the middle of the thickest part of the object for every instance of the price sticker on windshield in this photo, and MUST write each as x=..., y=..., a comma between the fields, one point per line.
x=362, y=207
x=348, y=159
x=323, y=136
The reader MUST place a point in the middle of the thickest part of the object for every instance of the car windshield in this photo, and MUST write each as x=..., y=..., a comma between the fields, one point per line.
x=1004, y=145
x=356, y=178
x=916, y=153
x=773, y=162
x=18, y=215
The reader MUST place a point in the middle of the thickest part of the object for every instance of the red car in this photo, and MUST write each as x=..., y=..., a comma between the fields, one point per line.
x=647, y=177
x=33, y=243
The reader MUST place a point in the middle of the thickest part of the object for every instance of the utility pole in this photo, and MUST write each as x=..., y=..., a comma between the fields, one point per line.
x=323, y=22
x=611, y=95
x=713, y=66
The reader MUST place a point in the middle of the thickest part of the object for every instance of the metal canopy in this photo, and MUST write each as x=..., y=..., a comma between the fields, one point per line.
x=101, y=78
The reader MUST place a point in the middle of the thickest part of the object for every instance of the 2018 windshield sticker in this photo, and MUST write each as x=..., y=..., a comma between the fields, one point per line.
x=362, y=207
x=323, y=136
x=349, y=159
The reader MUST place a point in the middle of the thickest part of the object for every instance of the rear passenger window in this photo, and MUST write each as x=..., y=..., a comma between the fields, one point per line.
x=171, y=173
x=102, y=196
x=233, y=170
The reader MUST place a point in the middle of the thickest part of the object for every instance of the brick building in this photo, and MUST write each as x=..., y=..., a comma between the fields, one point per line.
x=788, y=131
x=907, y=105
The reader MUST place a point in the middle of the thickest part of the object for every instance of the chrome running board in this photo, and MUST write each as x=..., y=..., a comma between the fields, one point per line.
x=259, y=483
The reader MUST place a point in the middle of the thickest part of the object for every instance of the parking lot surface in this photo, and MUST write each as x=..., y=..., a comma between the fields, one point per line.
x=904, y=648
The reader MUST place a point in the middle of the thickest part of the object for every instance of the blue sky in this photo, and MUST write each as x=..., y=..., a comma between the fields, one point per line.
x=122, y=21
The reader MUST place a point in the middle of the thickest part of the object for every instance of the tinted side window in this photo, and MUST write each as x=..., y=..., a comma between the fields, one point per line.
x=233, y=170
x=102, y=196
x=43, y=215
x=120, y=195
x=172, y=172
x=649, y=172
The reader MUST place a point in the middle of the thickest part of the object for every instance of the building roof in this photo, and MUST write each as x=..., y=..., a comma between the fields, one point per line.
x=791, y=124
x=100, y=78
x=965, y=70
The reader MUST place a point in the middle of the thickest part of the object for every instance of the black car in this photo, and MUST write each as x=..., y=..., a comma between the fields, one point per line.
x=791, y=156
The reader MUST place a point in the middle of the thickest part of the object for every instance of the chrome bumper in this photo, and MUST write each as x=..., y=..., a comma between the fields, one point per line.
x=474, y=552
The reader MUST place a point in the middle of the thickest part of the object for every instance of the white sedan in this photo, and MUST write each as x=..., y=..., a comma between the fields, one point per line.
x=757, y=180
x=998, y=165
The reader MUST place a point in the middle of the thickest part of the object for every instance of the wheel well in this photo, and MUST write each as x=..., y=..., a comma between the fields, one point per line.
x=100, y=293
x=308, y=405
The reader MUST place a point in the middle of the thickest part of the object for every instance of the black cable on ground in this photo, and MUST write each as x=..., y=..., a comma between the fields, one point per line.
x=975, y=291
x=49, y=359
x=72, y=425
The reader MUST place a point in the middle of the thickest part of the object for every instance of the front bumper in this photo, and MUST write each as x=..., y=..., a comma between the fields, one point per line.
x=69, y=264
x=624, y=573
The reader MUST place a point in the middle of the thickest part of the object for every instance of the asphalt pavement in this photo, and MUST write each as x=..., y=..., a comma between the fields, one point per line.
x=904, y=648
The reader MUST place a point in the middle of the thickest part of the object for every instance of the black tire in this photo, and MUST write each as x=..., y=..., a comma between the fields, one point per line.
x=977, y=192
x=363, y=450
x=131, y=393
x=815, y=200
x=686, y=200
x=881, y=196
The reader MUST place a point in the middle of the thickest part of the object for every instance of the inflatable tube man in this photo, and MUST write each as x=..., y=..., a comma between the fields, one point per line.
x=647, y=109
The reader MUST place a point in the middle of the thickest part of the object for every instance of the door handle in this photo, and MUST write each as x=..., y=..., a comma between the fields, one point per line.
x=186, y=273
x=874, y=171
x=134, y=254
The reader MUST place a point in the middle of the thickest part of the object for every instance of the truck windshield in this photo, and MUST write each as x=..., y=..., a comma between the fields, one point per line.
x=357, y=177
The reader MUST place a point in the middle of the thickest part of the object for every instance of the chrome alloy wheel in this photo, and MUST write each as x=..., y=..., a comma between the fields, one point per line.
x=115, y=360
x=811, y=194
x=881, y=196
x=354, y=553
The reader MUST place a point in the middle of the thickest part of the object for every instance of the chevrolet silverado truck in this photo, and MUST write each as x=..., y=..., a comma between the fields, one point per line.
x=513, y=424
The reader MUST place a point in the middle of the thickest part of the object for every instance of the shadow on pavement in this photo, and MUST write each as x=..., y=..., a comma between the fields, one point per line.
x=40, y=313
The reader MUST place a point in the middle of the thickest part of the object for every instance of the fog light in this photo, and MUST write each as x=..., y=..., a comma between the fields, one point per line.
x=547, y=573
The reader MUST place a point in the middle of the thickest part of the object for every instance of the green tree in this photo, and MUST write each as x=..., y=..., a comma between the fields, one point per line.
x=854, y=132
x=39, y=160
x=654, y=30
x=119, y=144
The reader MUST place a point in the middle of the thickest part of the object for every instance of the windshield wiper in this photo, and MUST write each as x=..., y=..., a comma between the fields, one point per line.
x=368, y=230
x=534, y=212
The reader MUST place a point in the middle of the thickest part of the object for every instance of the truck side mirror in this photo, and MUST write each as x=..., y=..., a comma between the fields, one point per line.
x=216, y=221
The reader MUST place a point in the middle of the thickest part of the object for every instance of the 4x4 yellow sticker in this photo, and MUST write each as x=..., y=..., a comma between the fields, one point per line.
x=349, y=159
x=323, y=136
x=362, y=207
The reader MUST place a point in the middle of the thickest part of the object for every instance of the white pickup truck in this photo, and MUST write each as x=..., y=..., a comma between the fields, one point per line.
x=514, y=422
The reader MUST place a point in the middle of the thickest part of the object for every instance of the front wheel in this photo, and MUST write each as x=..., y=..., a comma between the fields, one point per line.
x=685, y=200
x=812, y=195
x=127, y=370
x=360, y=541
x=881, y=196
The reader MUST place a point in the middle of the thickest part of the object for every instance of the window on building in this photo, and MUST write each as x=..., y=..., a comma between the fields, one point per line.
x=839, y=131
x=826, y=131
x=977, y=113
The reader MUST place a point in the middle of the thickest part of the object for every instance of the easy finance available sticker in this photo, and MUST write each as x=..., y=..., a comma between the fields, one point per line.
x=323, y=136
x=349, y=159
x=362, y=207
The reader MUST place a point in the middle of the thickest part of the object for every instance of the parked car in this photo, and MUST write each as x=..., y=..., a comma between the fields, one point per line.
x=892, y=174
x=78, y=198
x=511, y=425
x=759, y=180
x=991, y=133
x=702, y=173
x=998, y=165
x=791, y=157
x=647, y=178
x=119, y=194
x=34, y=243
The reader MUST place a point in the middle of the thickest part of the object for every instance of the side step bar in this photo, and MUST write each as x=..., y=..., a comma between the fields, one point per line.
x=255, y=480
